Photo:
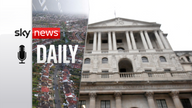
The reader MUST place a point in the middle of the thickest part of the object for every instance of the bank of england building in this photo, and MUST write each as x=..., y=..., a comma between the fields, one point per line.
x=131, y=64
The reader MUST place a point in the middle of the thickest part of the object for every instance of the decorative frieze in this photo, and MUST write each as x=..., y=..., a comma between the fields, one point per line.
x=137, y=87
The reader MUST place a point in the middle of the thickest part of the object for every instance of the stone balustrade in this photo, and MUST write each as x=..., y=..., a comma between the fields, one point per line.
x=104, y=51
x=136, y=76
x=122, y=51
x=179, y=74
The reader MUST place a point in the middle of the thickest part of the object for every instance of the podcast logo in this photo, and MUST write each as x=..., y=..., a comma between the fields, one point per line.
x=22, y=54
x=46, y=33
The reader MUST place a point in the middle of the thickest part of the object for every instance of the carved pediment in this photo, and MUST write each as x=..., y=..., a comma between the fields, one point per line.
x=121, y=22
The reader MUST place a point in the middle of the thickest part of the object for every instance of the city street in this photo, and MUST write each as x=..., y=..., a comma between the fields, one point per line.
x=55, y=81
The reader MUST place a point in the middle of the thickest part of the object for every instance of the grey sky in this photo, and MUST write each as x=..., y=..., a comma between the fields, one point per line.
x=67, y=6
x=175, y=16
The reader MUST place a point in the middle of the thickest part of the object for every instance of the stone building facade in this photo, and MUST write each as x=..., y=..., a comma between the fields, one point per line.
x=130, y=64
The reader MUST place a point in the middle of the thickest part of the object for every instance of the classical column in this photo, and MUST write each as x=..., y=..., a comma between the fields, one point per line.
x=118, y=99
x=92, y=99
x=99, y=41
x=114, y=42
x=109, y=41
x=176, y=100
x=163, y=39
x=143, y=40
x=128, y=40
x=159, y=40
x=148, y=40
x=94, y=41
x=150, y=99
x=133, y=40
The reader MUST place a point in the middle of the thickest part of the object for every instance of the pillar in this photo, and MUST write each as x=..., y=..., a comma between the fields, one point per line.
x=133, y=40
x=176, y=100
x=150, y=99
x=92, y=99
x=114, y=42
x=109, y=41
x=148, y=40
x=94, y=41
x=159, y=40
x=99, y=41
x=128, y=40
x=118, y=99
x=163, y=40
x=143, y=40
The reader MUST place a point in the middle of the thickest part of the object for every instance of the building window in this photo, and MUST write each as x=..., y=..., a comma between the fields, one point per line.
x=82, y=104
x=105, y=71
x=188, y=58
x=145, y=59
x=186, y=103
x=120, y=49
x=105, y=104
x=161, y=103
x=167, y=70
x=149, y=74
x=123, y=70
x=85, y=71
x=104, y=60
x=104, y=41
x=148, y=70
x=182, y=60
x=162, y=59
x=119, y=41
x=87, y=61
x=105, y=75
x=90, y=41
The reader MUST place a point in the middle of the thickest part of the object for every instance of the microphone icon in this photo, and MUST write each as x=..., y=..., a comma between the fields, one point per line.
x=22, y=54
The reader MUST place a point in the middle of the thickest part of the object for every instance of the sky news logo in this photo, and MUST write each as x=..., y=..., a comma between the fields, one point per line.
x=46, y=33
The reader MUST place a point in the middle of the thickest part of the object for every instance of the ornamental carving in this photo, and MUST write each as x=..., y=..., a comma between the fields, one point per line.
x=155, y=60
x=137, y=63
x=149, y=94
x=95, y=62
x=119, y=21
x=113, y=61
x=175, y=61
x=104, y=24
x=174, y=94
x=117, y=94
x=92, y=94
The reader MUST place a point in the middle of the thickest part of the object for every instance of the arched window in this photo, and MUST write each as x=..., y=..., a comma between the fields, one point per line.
x=87, y=61
x=125, y=65
x=104, y=60
x=162, y=59
x=145, y=59
x=182, y=60
x=120, y=49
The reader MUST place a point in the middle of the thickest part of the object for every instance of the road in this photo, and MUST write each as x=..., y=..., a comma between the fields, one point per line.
x=55, y=81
